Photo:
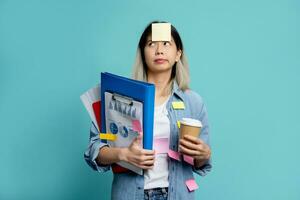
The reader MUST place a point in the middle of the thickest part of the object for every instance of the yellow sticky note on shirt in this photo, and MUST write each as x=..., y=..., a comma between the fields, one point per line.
x=177, y=105
x=108, y=136
x=178, y=124
x=161, y=32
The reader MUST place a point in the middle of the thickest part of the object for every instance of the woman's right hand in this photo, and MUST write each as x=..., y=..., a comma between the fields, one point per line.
x=138, y=156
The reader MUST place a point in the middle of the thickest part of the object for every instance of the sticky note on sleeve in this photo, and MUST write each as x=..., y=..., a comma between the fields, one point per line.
x=178, y=105
x=108, y=136
x=161, y=32
x=173, y=154
x=188, y=159
x=191, y=185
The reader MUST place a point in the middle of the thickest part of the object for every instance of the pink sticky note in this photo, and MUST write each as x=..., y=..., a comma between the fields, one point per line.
x=141, y=134
x=191, y=185
x=173, y=154
x=188, y=159
x=161, y=145
x=136, y=125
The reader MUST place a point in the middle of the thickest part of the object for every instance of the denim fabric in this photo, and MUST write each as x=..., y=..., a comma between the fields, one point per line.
x=156, y=194
x=130, y=186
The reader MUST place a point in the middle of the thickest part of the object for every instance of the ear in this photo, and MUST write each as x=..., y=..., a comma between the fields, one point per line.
x=178, y=55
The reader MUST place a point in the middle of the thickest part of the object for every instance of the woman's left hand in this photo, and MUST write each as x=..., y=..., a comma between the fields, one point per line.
x=194, y=147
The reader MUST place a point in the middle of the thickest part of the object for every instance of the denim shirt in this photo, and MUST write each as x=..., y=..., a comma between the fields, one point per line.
x=130, y=186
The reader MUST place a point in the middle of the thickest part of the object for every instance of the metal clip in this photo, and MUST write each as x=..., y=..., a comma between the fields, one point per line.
x=123, y=105
x=122, y=99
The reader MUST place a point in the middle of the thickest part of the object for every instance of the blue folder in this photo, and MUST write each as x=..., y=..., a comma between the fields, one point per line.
x=137, y=90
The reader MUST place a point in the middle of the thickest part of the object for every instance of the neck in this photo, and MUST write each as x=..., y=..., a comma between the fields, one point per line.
x=161, y=82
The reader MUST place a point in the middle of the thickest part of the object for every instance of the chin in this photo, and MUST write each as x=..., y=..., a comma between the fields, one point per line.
x=161, y=70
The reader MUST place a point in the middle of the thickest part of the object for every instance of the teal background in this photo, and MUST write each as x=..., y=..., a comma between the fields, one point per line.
x=244, y=61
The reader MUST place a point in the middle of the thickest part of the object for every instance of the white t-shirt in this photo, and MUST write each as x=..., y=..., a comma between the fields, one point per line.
x=158, y=176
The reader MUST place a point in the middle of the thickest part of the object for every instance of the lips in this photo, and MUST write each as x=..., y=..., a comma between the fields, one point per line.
x=160, y=61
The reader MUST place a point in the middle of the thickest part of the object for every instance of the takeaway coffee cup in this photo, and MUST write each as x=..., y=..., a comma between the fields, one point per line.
x=189, y=126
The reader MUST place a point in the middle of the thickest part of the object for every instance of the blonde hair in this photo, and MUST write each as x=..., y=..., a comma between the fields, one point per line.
x=182, y=76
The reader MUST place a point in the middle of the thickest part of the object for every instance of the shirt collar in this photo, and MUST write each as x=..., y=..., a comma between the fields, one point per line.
x=177, y=91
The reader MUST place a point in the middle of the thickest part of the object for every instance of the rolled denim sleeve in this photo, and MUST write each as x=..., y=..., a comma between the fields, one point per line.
x=202, y=116
x=91, y=153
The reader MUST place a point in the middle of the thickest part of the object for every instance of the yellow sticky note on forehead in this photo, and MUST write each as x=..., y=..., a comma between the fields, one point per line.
x=161, y=32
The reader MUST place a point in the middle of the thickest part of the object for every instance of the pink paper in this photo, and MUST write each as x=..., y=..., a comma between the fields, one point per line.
x=173, y=154
x=161, y=145
x=188, y=159
x=191, y=185
x=136, y=125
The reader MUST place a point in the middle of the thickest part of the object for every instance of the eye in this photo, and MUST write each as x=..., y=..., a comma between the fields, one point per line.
x=151, y=44
x=167, y=43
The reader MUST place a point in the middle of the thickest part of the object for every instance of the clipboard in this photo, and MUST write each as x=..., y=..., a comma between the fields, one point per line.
x=132, y=92
x=137, y=90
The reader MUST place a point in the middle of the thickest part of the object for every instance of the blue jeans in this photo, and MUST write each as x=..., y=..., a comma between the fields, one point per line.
x=156, y=194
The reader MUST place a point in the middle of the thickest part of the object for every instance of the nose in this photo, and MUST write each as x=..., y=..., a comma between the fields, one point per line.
x=159, y=48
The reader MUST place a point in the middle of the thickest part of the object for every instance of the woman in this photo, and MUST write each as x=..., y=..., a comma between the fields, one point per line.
x=164, y=64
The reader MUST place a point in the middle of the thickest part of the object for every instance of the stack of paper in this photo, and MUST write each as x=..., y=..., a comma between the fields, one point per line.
x=91, y=101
